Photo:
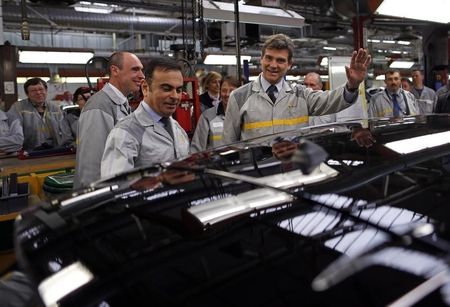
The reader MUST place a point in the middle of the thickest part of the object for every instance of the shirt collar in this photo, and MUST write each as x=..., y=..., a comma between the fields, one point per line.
x=153, y=115
x=265, y=84
x=118, y=93
x=213, y=97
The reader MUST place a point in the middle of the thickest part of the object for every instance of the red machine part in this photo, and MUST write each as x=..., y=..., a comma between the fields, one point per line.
x=188, y=111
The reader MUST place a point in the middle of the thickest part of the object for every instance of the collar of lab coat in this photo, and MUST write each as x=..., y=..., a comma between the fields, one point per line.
x=114, y=94
x=257, y=87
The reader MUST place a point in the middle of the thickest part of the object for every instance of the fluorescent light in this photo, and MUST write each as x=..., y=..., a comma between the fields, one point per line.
x=329, y=48
x=54, y=57
x=95, y=10
x=388, y=42
x=373, y=40
x=419, y=143
x=75, y=80
x=55, y=287
x=396, y=52
x=222, y=11
x=401, y=64
x=430, y=10
x=95, y=7
x=403, y=43
x=292, y=78
x=324, y=61
x=224, y=59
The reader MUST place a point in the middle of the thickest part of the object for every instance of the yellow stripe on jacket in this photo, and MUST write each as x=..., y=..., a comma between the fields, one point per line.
x=277, y=122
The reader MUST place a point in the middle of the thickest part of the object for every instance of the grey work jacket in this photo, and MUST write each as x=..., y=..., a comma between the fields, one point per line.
x=426, y=100
x=139, y=141
x=72, y=122
x=209, y=130
x=50, y=128
x=100, y=114
x=381, y=105
x=11, y=136
x=250, y=112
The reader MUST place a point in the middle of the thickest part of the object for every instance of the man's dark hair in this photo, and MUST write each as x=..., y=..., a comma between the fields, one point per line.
x=279, y=42
x=81, y=91
x=160, y=63
x=391, y=72
x=116, y=59
x=231, y=81
x=407, y=80
x=34, y=81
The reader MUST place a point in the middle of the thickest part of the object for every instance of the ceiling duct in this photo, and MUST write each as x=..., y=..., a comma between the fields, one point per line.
x=71, y=19
x=221, y=11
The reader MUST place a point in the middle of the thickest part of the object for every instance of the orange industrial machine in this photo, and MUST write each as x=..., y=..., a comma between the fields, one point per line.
x=188, y=111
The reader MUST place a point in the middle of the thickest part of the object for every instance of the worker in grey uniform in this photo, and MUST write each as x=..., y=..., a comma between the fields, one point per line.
x=426, y=97
x=393, y=101
x=42, y=121
x=80, y=97
x=102, y=112
x=209, y=130
x=150, y=135
x=313, y=81
x=269, y=104
x=11, y=137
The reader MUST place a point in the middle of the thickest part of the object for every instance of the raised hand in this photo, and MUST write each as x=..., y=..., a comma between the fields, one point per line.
x=357, y=71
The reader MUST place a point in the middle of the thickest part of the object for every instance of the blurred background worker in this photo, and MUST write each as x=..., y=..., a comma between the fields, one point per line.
x=80, y=97
x=208, y=133
x=393, y=101
x=42, y=121
x=211, y=87
x=11, y=137
x=149, y=135
x=426, y=97
x=104, y=110
x=313, y=81
x=406, y=84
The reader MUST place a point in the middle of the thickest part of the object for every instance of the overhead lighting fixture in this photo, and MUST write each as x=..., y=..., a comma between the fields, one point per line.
x=71, y=80
x=373, y=40
x=54, y=57
x=222, y=11
x=403, y=43
x=388, y=42
x=224, y=59
x=94, y=7
x=401, y=64
x=430, y=10
x=329, y=48
x=324, y=61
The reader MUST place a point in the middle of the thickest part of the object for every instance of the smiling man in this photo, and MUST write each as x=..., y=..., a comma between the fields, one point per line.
x=270, y=104
x=149, y=135
x=102, y=111
x=40, y=122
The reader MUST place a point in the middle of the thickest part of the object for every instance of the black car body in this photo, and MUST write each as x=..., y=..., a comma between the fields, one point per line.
x=301, y=218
